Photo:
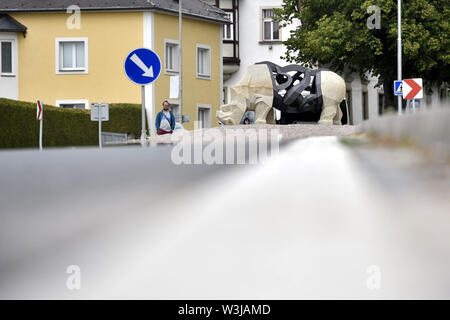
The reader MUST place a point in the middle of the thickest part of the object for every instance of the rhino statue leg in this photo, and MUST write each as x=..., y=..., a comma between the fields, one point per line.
x=263, y=106
x=333, y=92
x=337, y=120
x=270, y=117
x=329, y=114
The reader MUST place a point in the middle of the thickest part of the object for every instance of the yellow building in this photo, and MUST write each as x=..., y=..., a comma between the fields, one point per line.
x=70, y=56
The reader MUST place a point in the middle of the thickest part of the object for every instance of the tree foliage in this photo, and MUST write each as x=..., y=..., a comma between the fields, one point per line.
x=334, y=33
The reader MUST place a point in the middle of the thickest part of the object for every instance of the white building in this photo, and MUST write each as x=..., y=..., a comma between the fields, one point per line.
x=255, y=37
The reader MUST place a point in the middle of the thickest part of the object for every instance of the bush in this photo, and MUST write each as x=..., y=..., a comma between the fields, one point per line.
x=62, y=127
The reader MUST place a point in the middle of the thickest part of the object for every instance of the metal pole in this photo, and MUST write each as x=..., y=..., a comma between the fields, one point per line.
x=414, y=105
x=144, y=131
x=180, y=24
x=99, y=126
x=41, y=128
x=399, y=51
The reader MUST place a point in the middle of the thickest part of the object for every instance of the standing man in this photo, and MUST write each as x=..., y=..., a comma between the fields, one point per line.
x=165, y=120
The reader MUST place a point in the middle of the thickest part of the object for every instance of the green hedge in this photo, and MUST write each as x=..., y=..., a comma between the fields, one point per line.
x=62, y=127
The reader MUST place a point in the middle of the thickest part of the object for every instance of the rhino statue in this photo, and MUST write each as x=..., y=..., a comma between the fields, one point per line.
x=300, y=93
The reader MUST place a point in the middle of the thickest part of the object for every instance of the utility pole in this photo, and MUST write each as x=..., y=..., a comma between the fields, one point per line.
x=399, y=51
x=180, y=23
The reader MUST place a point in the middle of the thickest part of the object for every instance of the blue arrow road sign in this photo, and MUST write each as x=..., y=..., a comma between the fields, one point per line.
x=143, y=66
x=398, y=88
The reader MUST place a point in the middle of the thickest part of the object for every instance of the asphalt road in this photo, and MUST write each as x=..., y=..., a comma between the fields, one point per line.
x=319, y=220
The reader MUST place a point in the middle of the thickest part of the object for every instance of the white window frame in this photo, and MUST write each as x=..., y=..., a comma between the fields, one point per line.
x=203, y=76
x=263, y=20
x=58, y=56
x=13, y=48
x=204, y=106
x=177, y=56
x=62, y=102
x=231, y=37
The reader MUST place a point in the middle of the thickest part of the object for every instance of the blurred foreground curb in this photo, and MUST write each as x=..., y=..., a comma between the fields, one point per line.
x=429, y=128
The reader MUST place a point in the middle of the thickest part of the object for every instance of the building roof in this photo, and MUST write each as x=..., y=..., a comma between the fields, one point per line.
x=192, y=8
x=8, y=24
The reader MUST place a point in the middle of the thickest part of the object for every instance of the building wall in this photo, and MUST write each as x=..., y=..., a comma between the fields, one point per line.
x=195, y=91
x=111, y=35
x=230, y=49
x=252, y=49
x=364, y=97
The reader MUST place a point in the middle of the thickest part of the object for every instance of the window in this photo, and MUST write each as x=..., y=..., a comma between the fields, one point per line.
x=428, y=100
x=72, y=104
x=6, y=51
x=172, y=56
x=443, y=93
x=365, y=98
x=228, y=29
x=380, y=103
x=204, y=116
x=348, y=97
x=203, y=62
x=72, y=55
x=271, y=28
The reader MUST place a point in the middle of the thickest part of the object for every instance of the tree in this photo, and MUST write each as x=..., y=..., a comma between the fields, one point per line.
x=335, y=33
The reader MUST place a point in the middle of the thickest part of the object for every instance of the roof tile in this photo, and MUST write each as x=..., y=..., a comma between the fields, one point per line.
x=194, y=8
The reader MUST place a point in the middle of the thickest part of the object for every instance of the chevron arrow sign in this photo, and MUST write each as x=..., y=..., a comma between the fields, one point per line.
x=412, y=89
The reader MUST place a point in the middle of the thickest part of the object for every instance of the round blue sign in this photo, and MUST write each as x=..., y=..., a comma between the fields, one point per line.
x=143, y=66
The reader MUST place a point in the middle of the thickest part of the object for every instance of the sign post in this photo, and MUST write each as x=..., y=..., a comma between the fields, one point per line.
x=40, y=118
x=100, y=142
x=100, y=112
x=399, y=49
x=144, y=129
x=143, y=67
